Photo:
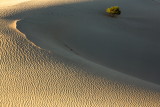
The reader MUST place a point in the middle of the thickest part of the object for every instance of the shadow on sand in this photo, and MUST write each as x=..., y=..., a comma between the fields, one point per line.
x=123, y=44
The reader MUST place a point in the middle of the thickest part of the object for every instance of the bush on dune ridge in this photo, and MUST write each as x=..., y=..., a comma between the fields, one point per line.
x=113, y=11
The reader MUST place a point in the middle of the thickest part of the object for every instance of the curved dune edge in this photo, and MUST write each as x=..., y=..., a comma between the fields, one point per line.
x=67, y=52
x=32, y=77
x=134, y=50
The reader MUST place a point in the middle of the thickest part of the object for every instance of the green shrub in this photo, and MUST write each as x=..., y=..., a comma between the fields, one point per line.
x=113, y=11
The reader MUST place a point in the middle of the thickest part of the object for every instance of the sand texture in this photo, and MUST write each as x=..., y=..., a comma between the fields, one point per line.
x=69, y=53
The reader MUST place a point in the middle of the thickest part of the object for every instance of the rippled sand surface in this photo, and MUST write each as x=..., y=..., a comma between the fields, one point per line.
x=40, y=67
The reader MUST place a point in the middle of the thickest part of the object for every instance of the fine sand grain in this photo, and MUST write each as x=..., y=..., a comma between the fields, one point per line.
x=69, y=53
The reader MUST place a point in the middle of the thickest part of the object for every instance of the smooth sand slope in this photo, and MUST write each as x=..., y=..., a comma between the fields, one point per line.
x=129, y=43
x=60, y=59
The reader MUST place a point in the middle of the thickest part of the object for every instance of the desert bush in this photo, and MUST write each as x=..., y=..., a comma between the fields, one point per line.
x=112, y=11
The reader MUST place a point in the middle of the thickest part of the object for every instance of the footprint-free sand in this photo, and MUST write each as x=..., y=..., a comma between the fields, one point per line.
x=70, y=53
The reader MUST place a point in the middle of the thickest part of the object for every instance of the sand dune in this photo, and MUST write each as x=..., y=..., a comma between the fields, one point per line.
x=69, y=53
x=128, y=43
